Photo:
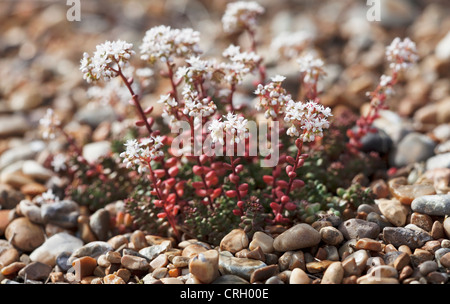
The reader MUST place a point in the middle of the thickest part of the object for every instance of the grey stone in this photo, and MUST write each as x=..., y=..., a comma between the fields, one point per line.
x=414, y=147
x=438, y=204
x=438, y=161
x=398, y=236
x=297, y=237
x=61, y=213
x=153, y=251
x=439, y=254
x=35, y=271
x=241, y=267
x=92, y=249
x=99, y=222
x=230, y=279
x=358, y=228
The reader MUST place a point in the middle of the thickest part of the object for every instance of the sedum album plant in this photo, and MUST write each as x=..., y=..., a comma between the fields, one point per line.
x=203, y=178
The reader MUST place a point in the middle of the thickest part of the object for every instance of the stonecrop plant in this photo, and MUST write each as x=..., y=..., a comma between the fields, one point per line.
x=203, y=177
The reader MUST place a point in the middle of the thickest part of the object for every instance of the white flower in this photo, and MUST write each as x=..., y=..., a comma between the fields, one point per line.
x=46, y=197
x=233, y=126
x=311, y=67
x=49, y=124
x=241, y=15
x=59, y=162
x=272, y=97
x=308, y=120
x=164, y=43
x=140, y=154
x=401, y=54
x=290, y=45
x=106, y=60
x=241, y=64
x=194, y=107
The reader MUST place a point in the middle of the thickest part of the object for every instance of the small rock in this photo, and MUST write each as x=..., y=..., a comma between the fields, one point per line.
x=113, y=257
x=262, y=240
x=54, y=246
x=438, y=161
x=427, y=267
x=31, y=211
x=205, y=266
x=360, y=257
x=92, y=152
x=118, y=241
x=160, y=261
x=439, y=254
x=33, y=189
x=445, y=260
x=407, y=193
x=436, y=277
x=393, y=210
x=331, y=235
x=298, y=276
x=9, y=197
x=423, y=221
x=297, y=237
x=13, y=125
x=113, y=279
x=93, y=249
x=62, y=213
x=414, y=147
x=153, y=251
x=380, y=189
x=63, y=262
x=383, y=271
x=24, y=234
x=171, y=281
x=401, y=261
x=12, y=268
x=263, y=273
x=368, y=244
x=334, y=274
x=138, y=240
x=446, y=226
x=35, y=170
x=437, y=230
x=134, y=263
x=234, y=241
x=292, y=259
x=274, y=280
x=99, y=222
x=398, y=236
x=84, y=267
x=438, y=204
x=242, y=267
x=8, y=256
x=357, y=228
x=36, y=271
x=180, y=261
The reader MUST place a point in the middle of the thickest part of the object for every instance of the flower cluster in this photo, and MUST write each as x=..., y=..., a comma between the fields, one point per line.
x=49, y=124
x=312, y=67
x=196, y=70
x=290, y=45
x=196, y=107
x=401, y=54
x=307, y=119
x=108, y=58
x=141, y=153
x=234, y=126
x=272, y=97
x=241, y=15
x=170, y=108
x=164, y=43
x=241, y=63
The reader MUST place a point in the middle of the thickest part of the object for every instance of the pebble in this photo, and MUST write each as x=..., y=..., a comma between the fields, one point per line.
x=24, y=235
x=438, y=161
x=407, y=193
x=427, y=267
x=358, y=228
x=205, y=266
x=334, y=274
x=292, y=259
x=297, y=237
x=446, y=226
x=368, y=244
x=54, y=246
x=398, y=236
x=36, y=171
x=92, y=152
x=317, y=267
x=138, y=240
x=440, y=253
x=402, y=260
x=31, y=211
x=9, y=197
x=35, y=271
x=33, y=189
x=331, y=236
x=99, y=222
x=134, y=263
x=153, y=251
x=93, y=249
x=436, y=277
x=438, y=205
x=118, y=241
x=263, y=273
x=299, y=276
x=113, y=279
x=394, y=211
x=160, y=261
x=61, y=213
x=414, y=147
x=234, y=241
x=360, y=257
x=437, y=230
x=84, y=267
x=262, y=240
x=8, y=255
x=13, y=125
x=445, y=260
x=63, y=262
x=242, y=267
x=12, y=268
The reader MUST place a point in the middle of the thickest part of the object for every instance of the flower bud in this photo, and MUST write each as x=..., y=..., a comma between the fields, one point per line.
x=268, y=179
x=231, y=193
x=290, y=206
x=173, y=171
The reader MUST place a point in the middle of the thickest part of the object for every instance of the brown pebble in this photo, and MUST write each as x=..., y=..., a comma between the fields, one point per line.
x=56, y=277
x=33, y=189
x=380, y=189
x=8, y=256
x=138, y=240
x=136, y=263
x=316, y=267
x=159, y=273
x=421, y=256
x=437, y=230
x=423, y=221
x=405, y=249
x=263, y=273
x=401, y=261
x=193, y=250
x=124, y=273
x=321, y=254
x=160, y=261
x=431, y=246
x=445, y=260
x=350, y=280
x=12, y=268
x=88, y=279
x=405, y=273
x=389, y=248
x=368, y=244
x=113, y=279
x=113, y=257
x=84, y=266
